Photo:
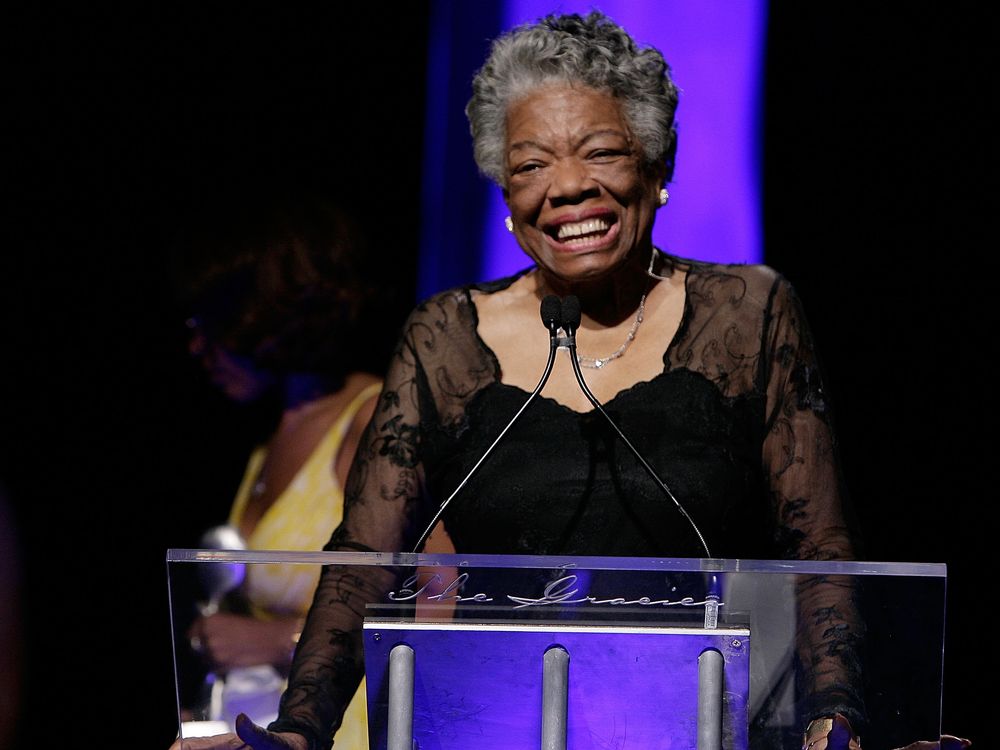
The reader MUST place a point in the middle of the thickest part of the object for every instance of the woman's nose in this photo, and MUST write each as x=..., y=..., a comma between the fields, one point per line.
x=571, y=181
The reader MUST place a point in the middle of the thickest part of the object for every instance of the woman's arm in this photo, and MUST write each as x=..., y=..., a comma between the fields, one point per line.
x=808, y=501
x=381, y=509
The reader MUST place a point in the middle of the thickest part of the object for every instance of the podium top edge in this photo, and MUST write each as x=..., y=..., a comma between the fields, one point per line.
x=686, y=564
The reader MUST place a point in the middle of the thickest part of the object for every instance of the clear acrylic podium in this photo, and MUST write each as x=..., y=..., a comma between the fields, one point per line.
x=588, y=653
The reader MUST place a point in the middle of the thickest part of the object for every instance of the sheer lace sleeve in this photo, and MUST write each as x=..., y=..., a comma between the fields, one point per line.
x=799, y=450
x=381, y=499
x=435, y=369
x=807, y=494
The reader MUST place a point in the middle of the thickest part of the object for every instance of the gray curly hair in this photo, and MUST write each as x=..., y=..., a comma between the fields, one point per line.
x=592, y=50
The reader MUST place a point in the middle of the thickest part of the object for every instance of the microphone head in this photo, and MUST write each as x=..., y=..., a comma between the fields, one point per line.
x=551, y=312
x=571, y=313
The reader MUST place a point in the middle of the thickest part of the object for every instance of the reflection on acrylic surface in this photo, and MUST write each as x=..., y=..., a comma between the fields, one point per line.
x=633, y=630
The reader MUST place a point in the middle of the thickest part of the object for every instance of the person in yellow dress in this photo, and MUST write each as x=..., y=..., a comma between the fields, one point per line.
x=277, y=295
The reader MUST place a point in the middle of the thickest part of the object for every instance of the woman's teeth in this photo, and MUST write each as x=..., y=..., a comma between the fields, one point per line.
x=578, y=229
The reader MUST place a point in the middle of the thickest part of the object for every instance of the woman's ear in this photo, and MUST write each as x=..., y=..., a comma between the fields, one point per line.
x=660, y=170
x=654, y=175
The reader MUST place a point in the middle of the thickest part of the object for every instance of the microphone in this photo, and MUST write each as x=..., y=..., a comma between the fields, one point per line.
x=551, y=311
x=571, y=315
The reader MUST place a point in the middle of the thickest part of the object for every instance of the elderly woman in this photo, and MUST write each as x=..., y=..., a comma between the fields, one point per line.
x=711, y=369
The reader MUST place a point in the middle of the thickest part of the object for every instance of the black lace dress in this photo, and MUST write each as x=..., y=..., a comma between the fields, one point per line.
x=737, y=424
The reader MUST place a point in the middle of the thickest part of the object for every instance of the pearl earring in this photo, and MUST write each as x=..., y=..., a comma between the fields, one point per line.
x=664, y=196
x=509, y=223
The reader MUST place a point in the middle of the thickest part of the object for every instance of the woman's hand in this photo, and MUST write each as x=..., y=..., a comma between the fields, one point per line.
x=248, y=736
x=841, y=737
x=947, y=742
x=227, y=641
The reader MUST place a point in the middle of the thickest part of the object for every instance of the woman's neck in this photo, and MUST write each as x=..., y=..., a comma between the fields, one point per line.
x=301, y=389
x=611, y=298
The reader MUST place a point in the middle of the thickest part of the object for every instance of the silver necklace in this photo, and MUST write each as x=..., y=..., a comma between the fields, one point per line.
x=596, y=363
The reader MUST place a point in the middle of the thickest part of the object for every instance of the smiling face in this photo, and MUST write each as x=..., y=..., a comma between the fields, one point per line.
x=578, y=194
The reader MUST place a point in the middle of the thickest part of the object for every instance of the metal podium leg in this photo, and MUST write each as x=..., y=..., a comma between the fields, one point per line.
x=400, y=730
x=710, y=679
x=555, y=694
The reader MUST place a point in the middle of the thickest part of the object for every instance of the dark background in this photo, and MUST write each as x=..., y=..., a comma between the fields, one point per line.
x=114, y=449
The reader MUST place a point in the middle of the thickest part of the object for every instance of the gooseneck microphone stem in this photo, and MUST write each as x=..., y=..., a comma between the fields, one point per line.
x=570, y=343
x=550, y=310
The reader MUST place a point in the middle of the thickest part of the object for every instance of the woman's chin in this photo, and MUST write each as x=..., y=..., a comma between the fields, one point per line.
x=585, y=265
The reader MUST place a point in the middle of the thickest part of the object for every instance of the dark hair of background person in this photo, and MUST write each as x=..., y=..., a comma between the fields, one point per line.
x=287, y=281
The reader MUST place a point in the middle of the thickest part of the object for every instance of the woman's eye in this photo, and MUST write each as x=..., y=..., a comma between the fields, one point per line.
x=530, y=166
x=605, y=154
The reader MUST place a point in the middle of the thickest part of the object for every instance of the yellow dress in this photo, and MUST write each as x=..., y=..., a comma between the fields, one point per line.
x=302, y=518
